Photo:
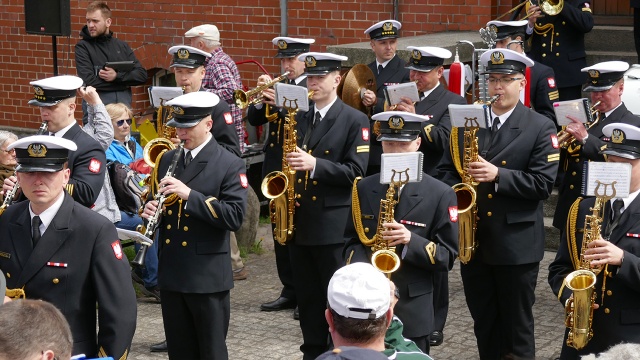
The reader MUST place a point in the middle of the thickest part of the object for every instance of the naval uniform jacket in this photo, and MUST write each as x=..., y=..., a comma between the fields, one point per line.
x=392, y=74
x=562, y=45
x=432, y=208
x=273, y=143
x=544, y=90
x=618, y=318
x=340, y=144
x=87, y=165
x=577, y=154
x=77, y=263
x=435, y=132
x=194, y=234
x=223, y=129
x=510, y=219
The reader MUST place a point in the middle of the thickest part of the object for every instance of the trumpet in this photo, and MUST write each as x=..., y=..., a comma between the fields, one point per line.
x=252, y=97
x=565, y=138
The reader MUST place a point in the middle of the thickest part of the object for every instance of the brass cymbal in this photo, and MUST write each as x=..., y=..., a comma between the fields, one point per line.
x=357, y=80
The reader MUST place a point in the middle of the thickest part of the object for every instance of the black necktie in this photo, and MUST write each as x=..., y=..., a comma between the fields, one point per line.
x=35, y=230
x=52, y=134
x=316, y=120
x=312, y=125
x=380, y=68
x=421, y=95
x=187, y=159
x=494, y=126
x=616, y=209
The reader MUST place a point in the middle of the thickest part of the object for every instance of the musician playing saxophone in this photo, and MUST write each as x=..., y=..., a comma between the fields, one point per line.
x=424, y=231
x=606, y=85
x=266, y=112
x=617, y=299
x=517, y=164
x=194, y=271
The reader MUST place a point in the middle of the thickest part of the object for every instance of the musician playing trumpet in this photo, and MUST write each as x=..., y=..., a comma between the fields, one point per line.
x=194, y=271
x=606, y=85
x=516, y=166
x=266, y=112
x=424, y=230
x=617, y=298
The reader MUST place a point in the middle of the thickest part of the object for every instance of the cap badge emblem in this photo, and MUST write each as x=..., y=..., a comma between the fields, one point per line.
x=497, y=58
x=594, y=73
x=493, y=28
x=310, y=61
x=388, y=26
x=617, y=136
x=38, y=90
x=178, y=110
x=37, y=150
x=183, y=54
x=416, y=54
x=282, y=45
x=396, y=122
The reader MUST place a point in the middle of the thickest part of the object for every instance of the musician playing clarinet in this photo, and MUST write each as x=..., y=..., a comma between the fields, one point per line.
x=206, y=198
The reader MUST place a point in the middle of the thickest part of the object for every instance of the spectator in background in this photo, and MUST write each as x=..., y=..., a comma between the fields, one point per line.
x=7, y=157
x=97, y=47
x=221, y=73
x=33, y=329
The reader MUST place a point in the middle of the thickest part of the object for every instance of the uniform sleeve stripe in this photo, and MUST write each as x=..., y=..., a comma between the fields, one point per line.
x=69, y=188
x=362, y=148
x=210, y=206
x=553, y=157
x=430, y=248
x=427, y=131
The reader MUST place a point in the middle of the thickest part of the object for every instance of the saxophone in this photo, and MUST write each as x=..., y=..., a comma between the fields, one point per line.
x=279, y=185
x=9, y=195
x=466, y=190
x=579, y=309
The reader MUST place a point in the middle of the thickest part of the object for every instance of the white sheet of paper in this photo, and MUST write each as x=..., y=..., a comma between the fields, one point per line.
x=397, y=91
x=292, y=96
x=575, y=108
x=618, y=174
x=401, y=162
x=469, y=115
x=157, y=94
x=124, y=234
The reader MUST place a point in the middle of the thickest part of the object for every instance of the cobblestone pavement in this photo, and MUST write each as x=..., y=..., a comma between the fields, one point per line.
x=254, y=334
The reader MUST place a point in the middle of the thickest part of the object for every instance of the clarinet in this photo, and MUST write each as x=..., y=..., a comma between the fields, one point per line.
x=154, y=221
x=9, y=195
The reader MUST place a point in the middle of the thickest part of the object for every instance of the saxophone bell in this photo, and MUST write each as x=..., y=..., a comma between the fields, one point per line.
x=579, y=309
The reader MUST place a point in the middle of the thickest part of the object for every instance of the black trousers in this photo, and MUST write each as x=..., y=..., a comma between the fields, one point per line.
x=196, y=325
x=313, y=267
x=500, y=299
x=283, y=264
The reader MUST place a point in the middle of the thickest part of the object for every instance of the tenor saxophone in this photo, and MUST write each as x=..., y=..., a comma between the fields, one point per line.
x=579, y=309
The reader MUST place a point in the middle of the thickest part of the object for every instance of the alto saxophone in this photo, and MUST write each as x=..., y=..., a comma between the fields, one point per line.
x=466, y=191
x=579, y=309
x=9, y=195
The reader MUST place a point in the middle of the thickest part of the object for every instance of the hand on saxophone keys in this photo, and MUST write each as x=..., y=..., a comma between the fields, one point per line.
x=300, y=160
x=601, y=252
x=396, y=234
x=482, y=170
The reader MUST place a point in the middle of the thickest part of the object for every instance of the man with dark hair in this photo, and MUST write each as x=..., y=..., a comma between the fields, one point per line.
x=31, y=329
x=360, y=309
x=60, y=251
x=97, y=47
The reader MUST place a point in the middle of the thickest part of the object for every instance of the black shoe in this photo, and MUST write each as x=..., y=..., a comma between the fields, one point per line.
x=151, y=291
x=296, y=314
x=159, y=347
x=280, y=303
x=136, y=275
x=436, y=338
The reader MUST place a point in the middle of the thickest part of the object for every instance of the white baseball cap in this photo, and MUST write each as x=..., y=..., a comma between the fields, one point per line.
x=359, y=291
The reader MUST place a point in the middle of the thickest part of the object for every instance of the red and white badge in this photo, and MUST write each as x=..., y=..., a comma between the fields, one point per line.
x=57, y=264
x=554, y=141
x=365, y=134
x=453, y=213
x=243, y=181
x=117, y=249
x=552, y=82
x=633, y=235
x=228, y=118
x=95, y=165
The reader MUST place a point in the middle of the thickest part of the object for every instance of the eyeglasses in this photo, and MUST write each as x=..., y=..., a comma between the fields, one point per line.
x=12, y=151
x=121, y=122
x=502, y=81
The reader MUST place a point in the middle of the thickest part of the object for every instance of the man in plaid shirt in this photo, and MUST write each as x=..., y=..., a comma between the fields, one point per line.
x=221, y=73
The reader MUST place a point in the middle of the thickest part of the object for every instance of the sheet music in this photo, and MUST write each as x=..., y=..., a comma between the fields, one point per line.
x=401, y=162
x=166, y=93
x=607, y=173
x=124, y=234
x=469, y=115
x=396, y=92
x=291, y=96
x=577, y=108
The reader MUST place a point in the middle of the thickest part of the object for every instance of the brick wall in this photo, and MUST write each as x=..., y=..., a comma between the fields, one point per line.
x=246, y=27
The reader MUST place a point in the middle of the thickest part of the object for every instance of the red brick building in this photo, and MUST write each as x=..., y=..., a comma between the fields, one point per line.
x=246, y=28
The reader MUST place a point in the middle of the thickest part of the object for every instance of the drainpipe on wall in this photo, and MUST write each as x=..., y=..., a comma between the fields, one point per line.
x=396, y=12
x=284, y=18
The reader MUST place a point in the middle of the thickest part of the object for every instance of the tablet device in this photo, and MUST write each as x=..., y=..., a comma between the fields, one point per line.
x=122, y=66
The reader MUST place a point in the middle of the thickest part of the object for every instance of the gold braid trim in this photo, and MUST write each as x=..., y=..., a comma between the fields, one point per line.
x=571, y=233
x=541, y=30
x=356, y=213
x=455, y=150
